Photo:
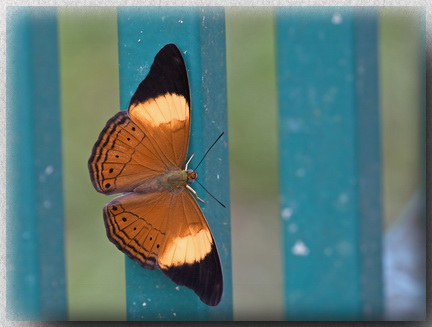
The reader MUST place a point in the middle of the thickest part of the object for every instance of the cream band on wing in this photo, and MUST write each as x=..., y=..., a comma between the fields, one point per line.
x=161, y=110
x=188, y=249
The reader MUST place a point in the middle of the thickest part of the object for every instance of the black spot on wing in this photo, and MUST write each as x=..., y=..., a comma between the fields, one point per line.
x=167, y=75
x=203, y=277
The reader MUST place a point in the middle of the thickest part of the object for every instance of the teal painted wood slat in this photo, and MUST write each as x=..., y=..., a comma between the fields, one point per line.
x=330, y=163
x=200, y=35
x=35, y=223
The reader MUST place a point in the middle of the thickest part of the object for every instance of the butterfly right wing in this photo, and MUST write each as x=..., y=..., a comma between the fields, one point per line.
x=167, y=230
x=122, y=157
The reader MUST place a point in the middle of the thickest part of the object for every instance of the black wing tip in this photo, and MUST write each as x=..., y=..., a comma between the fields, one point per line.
x=205, y=277
x=169, y=47
x=168, y=74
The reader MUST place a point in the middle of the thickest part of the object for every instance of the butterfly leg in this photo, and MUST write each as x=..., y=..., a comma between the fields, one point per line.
x=187, y=163
x=195, y=193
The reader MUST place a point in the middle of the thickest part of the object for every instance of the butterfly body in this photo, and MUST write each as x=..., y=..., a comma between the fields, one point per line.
x=178, y=178
x=141, y=153
x=171, y=180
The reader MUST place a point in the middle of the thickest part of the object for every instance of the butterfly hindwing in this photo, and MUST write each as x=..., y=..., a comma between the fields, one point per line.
x=137, y=224
x=192, y=259
x=167, y=231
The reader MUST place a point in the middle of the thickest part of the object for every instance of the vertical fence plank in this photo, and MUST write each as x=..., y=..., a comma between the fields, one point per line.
x=35, y=225
x=200, y=35
x=330, y=163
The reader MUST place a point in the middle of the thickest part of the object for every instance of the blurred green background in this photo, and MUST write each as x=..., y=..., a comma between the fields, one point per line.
x=90, y=96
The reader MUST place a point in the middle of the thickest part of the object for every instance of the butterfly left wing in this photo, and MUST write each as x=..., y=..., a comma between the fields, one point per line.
x=167, y=230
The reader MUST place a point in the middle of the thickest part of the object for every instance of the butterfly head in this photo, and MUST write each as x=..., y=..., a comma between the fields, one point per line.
x=191, y=176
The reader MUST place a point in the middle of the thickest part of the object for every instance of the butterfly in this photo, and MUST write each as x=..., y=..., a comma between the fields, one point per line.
x=141, y=153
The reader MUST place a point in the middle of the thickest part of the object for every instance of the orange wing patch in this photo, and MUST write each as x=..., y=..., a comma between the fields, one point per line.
x=166, y=120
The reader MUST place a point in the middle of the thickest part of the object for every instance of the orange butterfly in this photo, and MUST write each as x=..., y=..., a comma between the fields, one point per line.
x=141, y=152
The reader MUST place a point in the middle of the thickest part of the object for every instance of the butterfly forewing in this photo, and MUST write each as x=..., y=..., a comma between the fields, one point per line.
x=161, y=106
x=122, y=157
x=157, y=223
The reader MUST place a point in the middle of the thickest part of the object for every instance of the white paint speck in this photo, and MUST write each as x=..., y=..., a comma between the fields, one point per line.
x=217, y=176
x=177, y=288
x=294, y=124
x=343, y=198
x=174, y=314
x=31, y=279
x=299, y=248
x=142, y=69
x=328, y=251
x=286, y=213
x=144, y=304
x=336, y=19
x=300, y=172
x=139, y=40
x=185, y=51
x=293, y=228
x=49, y=170
x=180, y=21
x=344, y=248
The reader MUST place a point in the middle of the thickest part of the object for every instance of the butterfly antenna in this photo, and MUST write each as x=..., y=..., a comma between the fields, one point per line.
x=210, y=193
x=208, y=152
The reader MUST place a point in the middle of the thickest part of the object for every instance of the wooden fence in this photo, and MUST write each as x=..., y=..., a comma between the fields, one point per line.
x=329, y=159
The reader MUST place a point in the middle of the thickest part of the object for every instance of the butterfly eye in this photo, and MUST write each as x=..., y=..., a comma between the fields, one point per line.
x=191, y=176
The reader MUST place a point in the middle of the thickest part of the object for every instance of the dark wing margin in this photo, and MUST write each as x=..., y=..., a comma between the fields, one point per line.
x=203, y=277
x=167, y=74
